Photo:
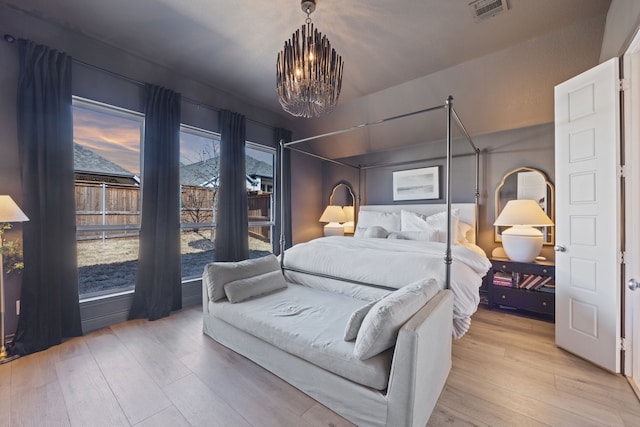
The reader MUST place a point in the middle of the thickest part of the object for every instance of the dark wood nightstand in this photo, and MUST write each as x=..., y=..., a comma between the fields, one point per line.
x=528, y=286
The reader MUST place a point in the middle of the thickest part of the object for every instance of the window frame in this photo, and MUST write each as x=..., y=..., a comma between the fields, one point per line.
x=113, y=110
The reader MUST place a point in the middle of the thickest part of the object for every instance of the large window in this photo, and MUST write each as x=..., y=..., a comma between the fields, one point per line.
x=199, y=166
x=260, y=185
x=199, y=173
x=107, y=163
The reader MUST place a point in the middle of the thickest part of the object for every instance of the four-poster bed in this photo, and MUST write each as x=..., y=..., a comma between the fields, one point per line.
x=374, y=343
x=451, y=117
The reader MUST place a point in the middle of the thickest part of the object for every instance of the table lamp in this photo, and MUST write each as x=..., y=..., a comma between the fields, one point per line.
x=334, y=215
x=522, y=242
x=9, y=212
x=349, y=225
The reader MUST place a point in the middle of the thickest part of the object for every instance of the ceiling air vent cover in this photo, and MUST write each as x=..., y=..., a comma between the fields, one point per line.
x=483, y=9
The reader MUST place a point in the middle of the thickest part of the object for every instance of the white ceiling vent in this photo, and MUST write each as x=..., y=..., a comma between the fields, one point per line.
x=483, y=9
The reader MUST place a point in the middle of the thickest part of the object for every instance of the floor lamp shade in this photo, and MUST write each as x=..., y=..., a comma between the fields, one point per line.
x=522, y=242
x=9, y=212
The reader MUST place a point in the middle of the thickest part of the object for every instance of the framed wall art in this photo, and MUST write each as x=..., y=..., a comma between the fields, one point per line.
x=416, y=184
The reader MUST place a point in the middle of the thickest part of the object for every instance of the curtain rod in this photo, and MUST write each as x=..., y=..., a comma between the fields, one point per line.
x=11, y=39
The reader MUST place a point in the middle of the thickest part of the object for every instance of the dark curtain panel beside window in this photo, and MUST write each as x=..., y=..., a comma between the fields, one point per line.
x=232, y=228
x=158, y=283
x=283, y=189
x=49, y=295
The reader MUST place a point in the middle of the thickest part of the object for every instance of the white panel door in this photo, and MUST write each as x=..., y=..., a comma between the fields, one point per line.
x=587, y=145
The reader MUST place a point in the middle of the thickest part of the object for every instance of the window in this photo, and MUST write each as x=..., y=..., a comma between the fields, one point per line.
x=199, y=170
x=260, y=174
x=199, y=173
x=107, y=164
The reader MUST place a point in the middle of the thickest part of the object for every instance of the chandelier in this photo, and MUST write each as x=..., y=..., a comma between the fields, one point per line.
x=308, y=71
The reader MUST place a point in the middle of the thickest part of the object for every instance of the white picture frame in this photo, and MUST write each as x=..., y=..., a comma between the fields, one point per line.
x=416, y=184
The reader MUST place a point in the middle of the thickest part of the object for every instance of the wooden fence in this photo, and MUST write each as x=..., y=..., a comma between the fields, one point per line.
x=101, y=204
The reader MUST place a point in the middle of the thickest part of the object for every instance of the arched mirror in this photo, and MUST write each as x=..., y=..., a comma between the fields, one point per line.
x=342, y=195
x=527, y=183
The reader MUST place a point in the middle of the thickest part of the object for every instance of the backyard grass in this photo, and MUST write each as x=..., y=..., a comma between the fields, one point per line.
x=110, y=265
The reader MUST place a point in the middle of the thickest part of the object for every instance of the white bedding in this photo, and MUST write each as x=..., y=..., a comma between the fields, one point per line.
x=395, y=263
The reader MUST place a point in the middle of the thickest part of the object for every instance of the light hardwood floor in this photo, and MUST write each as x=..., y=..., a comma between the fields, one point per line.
x=506, y=372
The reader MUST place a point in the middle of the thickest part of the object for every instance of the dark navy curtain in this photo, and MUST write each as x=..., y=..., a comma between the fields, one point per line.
x=158, y=280
x=232, y=228
x=49, y=295
x=283, y=190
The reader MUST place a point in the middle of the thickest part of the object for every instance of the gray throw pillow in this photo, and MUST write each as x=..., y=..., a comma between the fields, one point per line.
x=240, y=290
x=380, y=326
x=354, y=322
x=218, y=274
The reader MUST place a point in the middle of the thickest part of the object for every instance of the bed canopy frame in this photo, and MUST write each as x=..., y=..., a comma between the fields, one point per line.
x=451, y=117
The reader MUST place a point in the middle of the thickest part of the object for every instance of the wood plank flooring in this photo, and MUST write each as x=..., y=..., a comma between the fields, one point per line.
x=506, y=372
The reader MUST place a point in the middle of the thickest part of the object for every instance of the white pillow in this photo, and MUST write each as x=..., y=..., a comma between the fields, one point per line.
x=389, y=220
x=354, y=322
x=242, y=289
x=427, y=236
x=380, y=326
x=375, y=232
x=218, y=274
x=412, y=221
x=463, y=229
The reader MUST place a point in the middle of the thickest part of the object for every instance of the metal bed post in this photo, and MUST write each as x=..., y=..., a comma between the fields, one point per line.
x=477, y=195
x=282, y=215
x=447, y=256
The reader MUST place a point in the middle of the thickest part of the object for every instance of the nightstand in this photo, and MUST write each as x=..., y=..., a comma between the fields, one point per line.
x=528, y=286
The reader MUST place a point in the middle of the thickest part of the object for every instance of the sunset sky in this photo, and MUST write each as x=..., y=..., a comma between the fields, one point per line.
x=118, y=139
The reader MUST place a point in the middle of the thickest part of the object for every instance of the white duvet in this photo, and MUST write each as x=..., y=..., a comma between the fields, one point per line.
x=394, y=263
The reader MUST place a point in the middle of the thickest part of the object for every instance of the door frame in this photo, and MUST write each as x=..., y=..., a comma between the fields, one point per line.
x=631, y=126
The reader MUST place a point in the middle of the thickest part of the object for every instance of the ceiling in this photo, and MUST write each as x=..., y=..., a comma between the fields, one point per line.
x=232, y=44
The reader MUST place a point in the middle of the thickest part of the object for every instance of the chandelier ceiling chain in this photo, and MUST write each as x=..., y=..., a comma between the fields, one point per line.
x=308, y=71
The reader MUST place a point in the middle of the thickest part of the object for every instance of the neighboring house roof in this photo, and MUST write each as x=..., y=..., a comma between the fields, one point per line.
x=257, y=167
x=86, y=160
x=205, y=172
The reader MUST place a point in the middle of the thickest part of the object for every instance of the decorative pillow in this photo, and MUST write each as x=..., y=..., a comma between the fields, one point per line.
x=353, y=325
x=380, y=326
x=412, y=221
x=375, y=232
x=427, y=236
x=218, y=274
x=463, y=229
x=389, y=220
x=240, y=290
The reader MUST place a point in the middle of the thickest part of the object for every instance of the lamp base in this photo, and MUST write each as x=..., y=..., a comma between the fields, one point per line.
x=522, y=243
x=333, y=229
x=7, y=359
x=4, y=355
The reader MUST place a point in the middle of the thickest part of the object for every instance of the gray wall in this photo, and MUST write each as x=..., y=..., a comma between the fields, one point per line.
x=306, y=197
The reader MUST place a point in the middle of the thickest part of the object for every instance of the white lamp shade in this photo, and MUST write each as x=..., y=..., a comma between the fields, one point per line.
x=523, y=212
x=333, y=213
x=10, y=212
x=348, y=213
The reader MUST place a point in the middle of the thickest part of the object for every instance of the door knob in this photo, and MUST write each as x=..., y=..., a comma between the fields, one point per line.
x=559, y=248
x=633, y=284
